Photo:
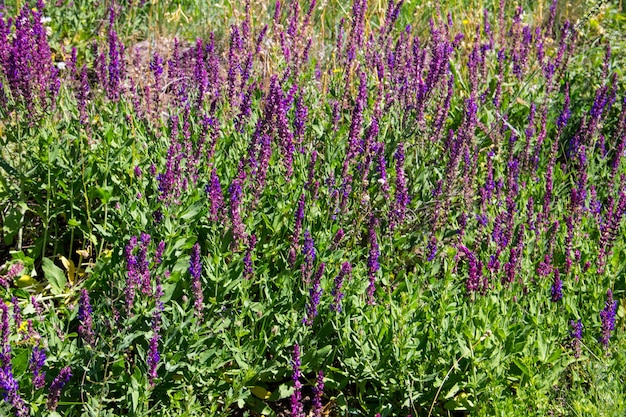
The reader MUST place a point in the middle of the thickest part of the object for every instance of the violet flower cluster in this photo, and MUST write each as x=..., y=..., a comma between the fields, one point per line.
x=85, y=328
x=195, y=270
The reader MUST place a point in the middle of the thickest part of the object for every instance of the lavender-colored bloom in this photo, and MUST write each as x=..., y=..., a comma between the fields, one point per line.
x=576, y=335
x=431, y=249
x=8, y=384
x=17, y=312
x=344, y=272
x=236, y=198
x=308, y=250
x=36, y=363
x=214, y=191
x=475, y=280
x=557, y=287
x=372, y=261
x=54, y=392
x=158, y=255
x=607, y=317
x=137, y=171
x=85, y=329
x=195, y=270
x=298, y=219
x=315, y=294
x=297, y=409
x=248, y=268
x=338, y=237
x=153, y=358
x=318, y=391
x=399, y=206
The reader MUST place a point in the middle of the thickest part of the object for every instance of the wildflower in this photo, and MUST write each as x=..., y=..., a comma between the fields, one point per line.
x=398, y=210
x=214, y=191
x=8, y=384
x=314, y=293
x=372, y=262
x=318, y=391
x=57, y=385
x=344, y=272
x=607, y=317
x=195, y=269
x=576, y=336
x=85, y=329
x=296, y=397
x=299, y=217
x=557, y=287
x=37, y=360
x=247, y=259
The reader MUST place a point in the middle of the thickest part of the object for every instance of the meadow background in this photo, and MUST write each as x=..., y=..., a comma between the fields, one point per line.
x=312, y=208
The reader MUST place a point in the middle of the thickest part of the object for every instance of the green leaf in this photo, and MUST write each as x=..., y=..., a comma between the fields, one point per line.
x=55, y=276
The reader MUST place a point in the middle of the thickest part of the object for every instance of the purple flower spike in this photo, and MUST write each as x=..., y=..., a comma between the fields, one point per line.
x=576, y=336
x=315, y=293
x=607, y=316
x=195, y=269
x=297, y=409
x=85, y=329
x=345, y=271
x=308, y=251
x=318, y=391
x=37, y=361
x=214, y=191
x=557, y=287
x=372, y=261
x=248, y=267
x=57, y=385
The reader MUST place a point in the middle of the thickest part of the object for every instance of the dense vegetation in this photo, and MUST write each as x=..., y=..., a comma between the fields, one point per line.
x=305, y=208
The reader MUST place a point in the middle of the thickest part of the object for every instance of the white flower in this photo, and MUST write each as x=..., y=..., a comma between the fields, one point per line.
x=61, y=66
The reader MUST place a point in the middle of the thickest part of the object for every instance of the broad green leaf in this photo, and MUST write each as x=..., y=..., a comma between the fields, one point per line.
x=55, y=276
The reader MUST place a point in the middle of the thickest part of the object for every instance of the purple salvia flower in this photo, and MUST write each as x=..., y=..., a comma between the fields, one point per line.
x=431, y=249
x=143, y=266
x=158, y=255
x=54, y=392
x=132, y=273
x=36, y=363
x=300, y=119
x=17, y=312
x=308, y=250
x=153, y=358
x=214, y=191
x=398, y=210
x=85, y=328
x=315, y=294
x=338, y=237
x=557, y=287
x=475, y=281
x=297, y=229
x=248, y=267
x=318, y=391
x=344, y=272
x=372, y=261
x=296, y=398
x=576, y=335
x=195, y=270
x=137, y=171
x=607, y=317
x=8, y=384
x=236, y=198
